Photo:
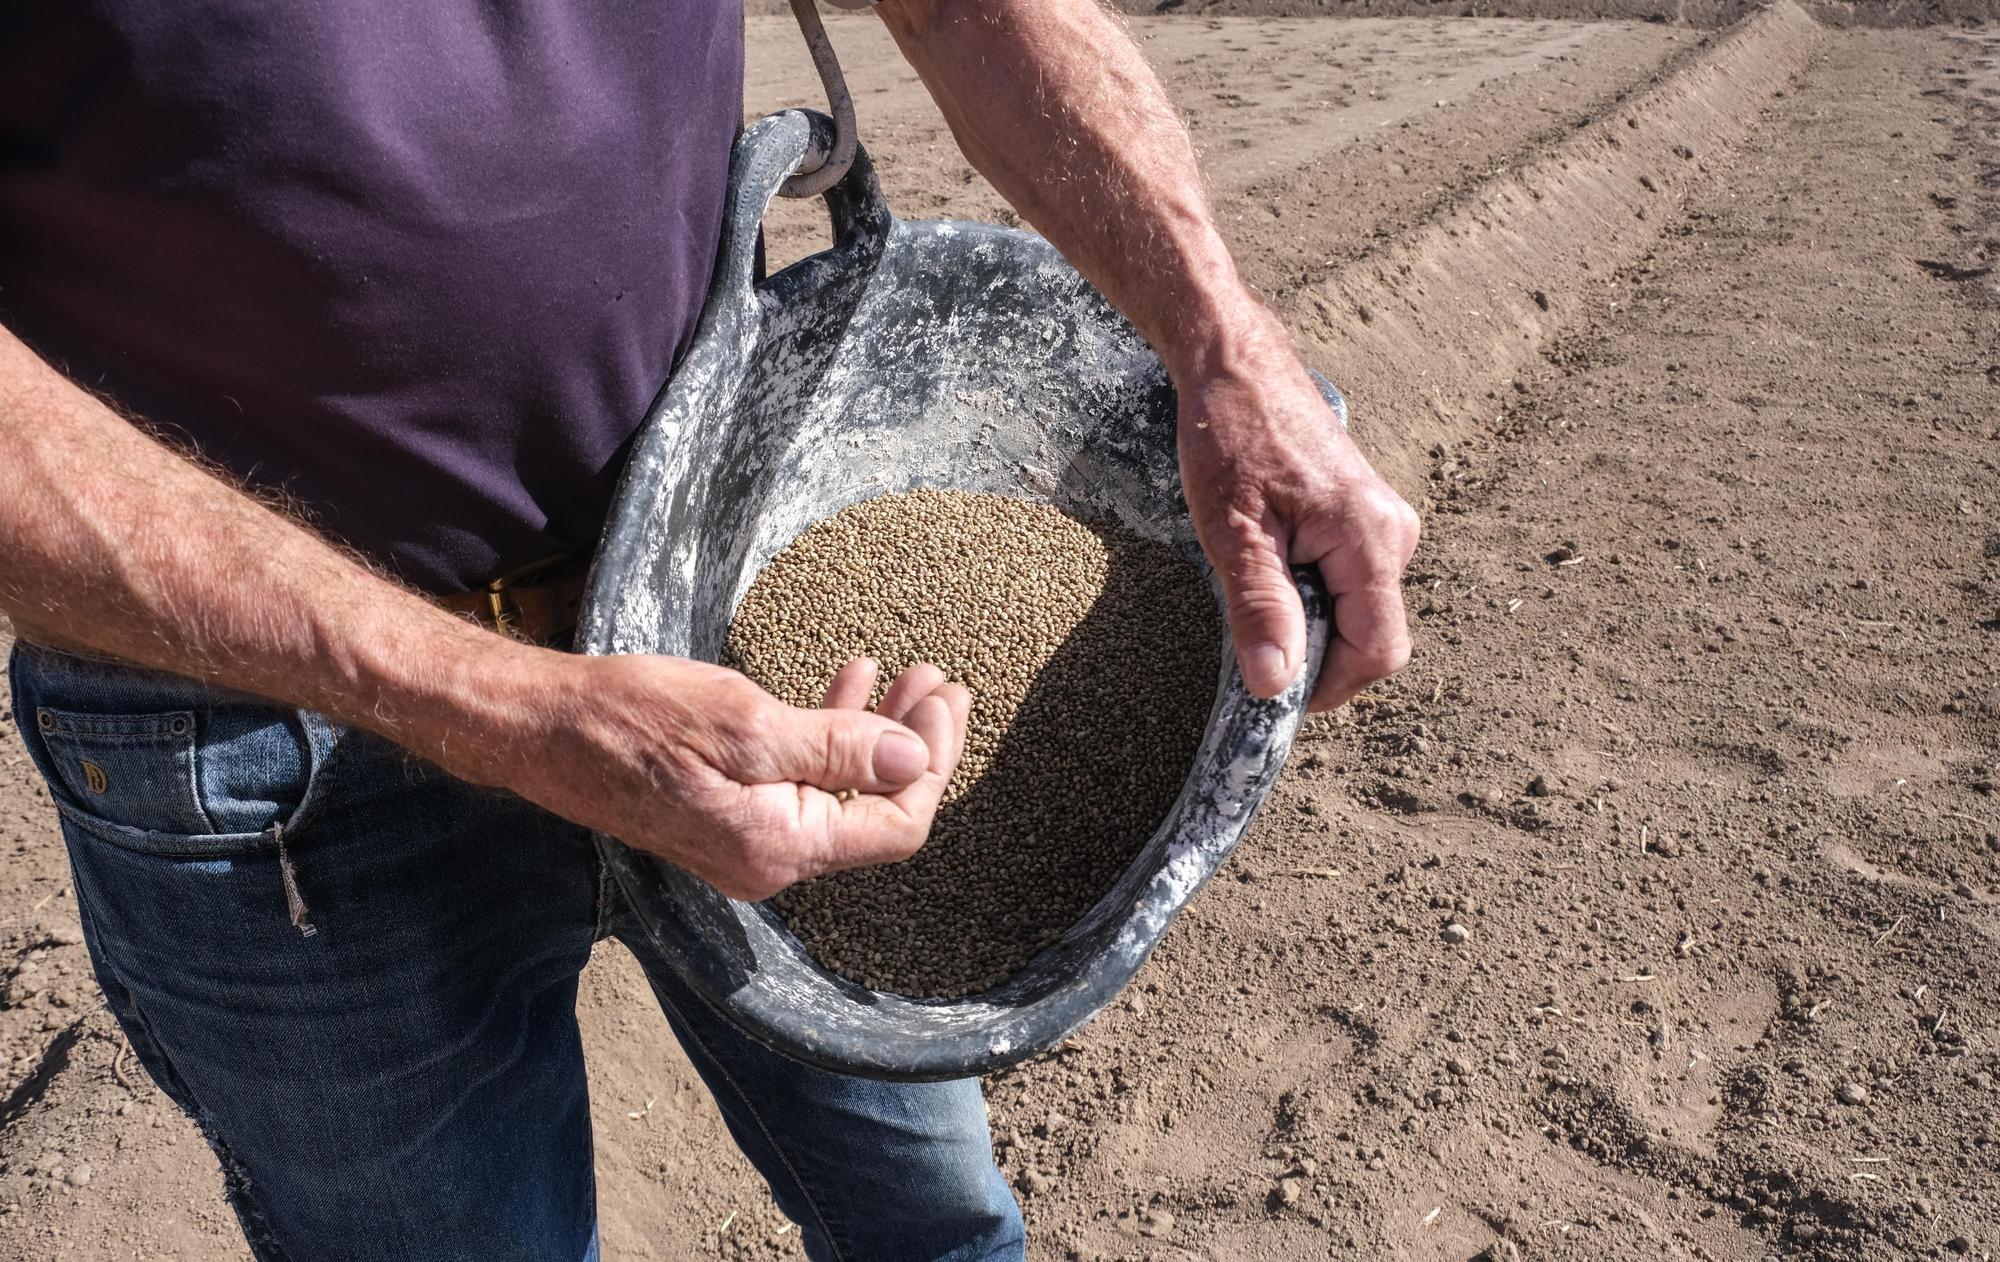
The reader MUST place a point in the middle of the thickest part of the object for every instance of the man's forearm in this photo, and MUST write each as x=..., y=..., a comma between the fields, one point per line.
x=112, y=542
x=1052, y=102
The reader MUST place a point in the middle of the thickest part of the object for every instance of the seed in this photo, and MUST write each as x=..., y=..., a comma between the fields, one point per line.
x=1092, y=657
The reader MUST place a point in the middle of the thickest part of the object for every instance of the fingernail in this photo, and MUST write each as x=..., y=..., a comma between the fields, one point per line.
x=1265, y=667
x=899, y=758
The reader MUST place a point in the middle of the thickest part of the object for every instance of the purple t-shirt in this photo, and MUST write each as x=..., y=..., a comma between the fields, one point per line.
x=420, y=266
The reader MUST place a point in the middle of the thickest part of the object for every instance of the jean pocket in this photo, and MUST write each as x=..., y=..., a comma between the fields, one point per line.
x=137, y=770
x=164, y=765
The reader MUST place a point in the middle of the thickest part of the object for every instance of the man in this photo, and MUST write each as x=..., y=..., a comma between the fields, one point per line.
x=411, y=274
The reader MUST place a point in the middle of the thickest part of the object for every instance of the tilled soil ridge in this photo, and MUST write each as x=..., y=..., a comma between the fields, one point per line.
x=1422, y=333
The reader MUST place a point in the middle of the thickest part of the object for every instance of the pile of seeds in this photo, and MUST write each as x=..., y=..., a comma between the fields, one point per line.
x=1091, y=655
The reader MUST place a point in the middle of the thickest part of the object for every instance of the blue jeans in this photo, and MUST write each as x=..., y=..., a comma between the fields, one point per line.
x=358, y=975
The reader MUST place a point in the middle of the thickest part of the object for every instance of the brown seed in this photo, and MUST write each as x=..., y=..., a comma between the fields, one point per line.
x=1092, y=656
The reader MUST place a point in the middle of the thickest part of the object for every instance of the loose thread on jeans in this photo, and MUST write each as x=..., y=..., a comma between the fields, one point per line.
x=295, y=902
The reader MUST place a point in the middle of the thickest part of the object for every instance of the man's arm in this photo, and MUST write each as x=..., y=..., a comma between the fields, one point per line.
x=110, y=541
x=1052, y=102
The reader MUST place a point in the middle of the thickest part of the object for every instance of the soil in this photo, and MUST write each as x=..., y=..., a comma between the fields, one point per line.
x=1320, y=139
x=1697, y=752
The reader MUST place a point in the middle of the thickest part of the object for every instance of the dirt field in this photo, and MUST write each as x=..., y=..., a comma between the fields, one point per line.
x=1700, y=742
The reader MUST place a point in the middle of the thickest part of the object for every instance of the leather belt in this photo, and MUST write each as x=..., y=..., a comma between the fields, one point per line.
x=538, y=603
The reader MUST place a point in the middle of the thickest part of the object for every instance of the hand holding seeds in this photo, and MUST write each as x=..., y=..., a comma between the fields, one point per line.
x=1272, y=481
x=698, y=765
x=1091, y=655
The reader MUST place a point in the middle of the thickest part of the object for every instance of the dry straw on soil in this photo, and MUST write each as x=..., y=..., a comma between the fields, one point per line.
x=1091, y=655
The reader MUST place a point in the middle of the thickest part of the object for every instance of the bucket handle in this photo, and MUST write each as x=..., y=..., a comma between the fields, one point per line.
x=766, y=156
x=816, y=176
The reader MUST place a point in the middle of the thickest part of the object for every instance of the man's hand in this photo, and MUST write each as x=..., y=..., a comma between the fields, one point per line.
x=1274, y=481
x=698, y=765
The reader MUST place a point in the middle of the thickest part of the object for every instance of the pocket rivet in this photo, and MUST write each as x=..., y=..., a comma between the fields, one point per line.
x=178, y=727
x=45, y=720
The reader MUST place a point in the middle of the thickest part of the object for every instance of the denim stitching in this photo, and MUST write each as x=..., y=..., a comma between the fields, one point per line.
x=593, y=1247
x=194, y=781
x=236, y=1188
x=750, y=1107
x=141, y=841
x=321, y=773
x=67, y=732
x=605, y=893
x=236, y=1183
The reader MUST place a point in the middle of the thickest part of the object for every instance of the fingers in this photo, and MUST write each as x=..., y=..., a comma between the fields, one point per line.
x=910, y=687
x=851, y=685
x=747, y=792
x=850, y=688
x=1266, y=621
x=844, y=746
x=940, y=719
x=866, y=830
x=836, y=749
x=1371, y=641
x=1362, y=560
x=820, y=832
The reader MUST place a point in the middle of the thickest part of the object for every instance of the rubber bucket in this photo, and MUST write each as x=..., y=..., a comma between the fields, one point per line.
x=910, y=354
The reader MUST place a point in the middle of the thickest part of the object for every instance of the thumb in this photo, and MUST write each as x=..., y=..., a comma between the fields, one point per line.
x=1266, y=621
x=845, y=749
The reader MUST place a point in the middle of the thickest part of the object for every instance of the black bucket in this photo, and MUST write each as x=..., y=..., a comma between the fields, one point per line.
x=911, y=354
